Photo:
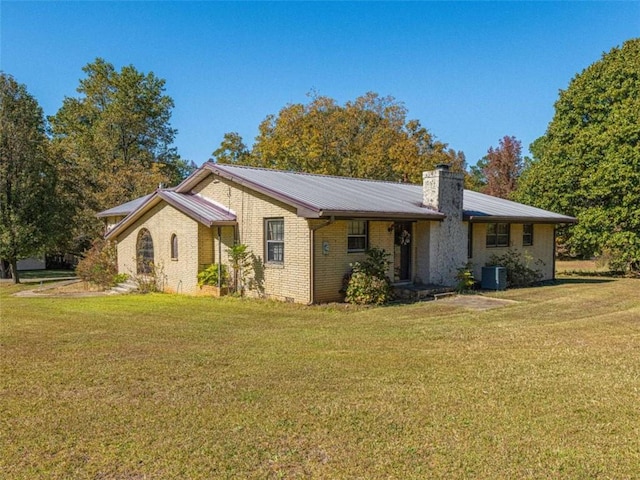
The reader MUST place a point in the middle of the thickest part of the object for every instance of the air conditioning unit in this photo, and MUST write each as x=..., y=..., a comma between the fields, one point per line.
x=494, y=278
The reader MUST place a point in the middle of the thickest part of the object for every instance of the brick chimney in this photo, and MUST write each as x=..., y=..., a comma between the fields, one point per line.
x=443, y=190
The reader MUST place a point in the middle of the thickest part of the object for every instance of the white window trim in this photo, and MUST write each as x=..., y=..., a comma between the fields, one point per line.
x=365, y=236
x=267, y=242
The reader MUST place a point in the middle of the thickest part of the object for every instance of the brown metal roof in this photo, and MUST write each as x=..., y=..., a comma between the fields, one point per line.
x=317, y=196
x=196, y=207
x=322, y=196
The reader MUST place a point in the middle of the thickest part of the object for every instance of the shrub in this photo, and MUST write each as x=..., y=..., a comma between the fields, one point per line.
x=465, y=279
x=375, y=264
x=368, y=283
x=120, y=278
x=519, y=270
x=366, y=289
x=98, y=265
x=152, y=281
x=209, y=276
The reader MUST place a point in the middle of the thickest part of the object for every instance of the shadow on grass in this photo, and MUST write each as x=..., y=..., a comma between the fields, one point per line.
x=581, y=280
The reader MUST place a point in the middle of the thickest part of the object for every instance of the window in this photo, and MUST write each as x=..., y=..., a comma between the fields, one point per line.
x=174, y=247
x=144, y=252
x=357, y=236
x=497, y=235
x=275, y=240
x=470, y=240
x=527, y=234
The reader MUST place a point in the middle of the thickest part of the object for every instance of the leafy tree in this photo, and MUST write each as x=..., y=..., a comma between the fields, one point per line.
x=501, y=167
x=369, y=137
x=29, y=208
x=587, y=164
x=116, y=141
x=477, y=180
x=232, y=150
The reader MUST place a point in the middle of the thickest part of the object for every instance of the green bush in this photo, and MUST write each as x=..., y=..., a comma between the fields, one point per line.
x=519, y=270
x=465, y=279
x=368, y=283
x=120, y=278
x=209, y=276
x=366, y=289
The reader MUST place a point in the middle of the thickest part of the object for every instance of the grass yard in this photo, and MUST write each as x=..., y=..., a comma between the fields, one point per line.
x=581, y=267
x=165, y=386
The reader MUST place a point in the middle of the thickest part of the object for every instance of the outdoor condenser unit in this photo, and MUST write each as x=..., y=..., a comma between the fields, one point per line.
x=494, y=278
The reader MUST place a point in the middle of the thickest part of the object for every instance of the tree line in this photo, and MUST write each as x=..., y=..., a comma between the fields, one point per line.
x=113, y=143
x=110, y=144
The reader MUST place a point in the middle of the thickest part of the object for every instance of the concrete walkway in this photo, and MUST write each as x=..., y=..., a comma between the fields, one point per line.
x=44, y=291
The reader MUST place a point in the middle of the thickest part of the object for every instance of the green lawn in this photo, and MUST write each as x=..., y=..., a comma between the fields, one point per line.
x=165, y=386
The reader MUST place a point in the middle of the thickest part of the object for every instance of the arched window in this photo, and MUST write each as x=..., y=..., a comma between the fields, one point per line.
x=144, y=251
x=174, y=247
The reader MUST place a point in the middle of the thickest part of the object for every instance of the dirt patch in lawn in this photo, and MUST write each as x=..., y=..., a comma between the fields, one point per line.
x=69, y=288
x=477, y=302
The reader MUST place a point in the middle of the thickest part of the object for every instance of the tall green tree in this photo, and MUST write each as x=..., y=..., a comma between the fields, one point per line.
x=29, y=208
x=116, y=139
x=587, y=164
x=369, y=137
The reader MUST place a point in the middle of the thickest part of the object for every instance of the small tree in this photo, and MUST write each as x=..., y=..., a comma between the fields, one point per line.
x=241, y=260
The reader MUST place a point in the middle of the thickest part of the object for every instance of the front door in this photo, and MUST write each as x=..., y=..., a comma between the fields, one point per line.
x=402, y=252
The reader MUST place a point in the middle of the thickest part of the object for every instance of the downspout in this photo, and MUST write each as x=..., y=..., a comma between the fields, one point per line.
x=553, y=253
x=312, y=244
x=219, y=258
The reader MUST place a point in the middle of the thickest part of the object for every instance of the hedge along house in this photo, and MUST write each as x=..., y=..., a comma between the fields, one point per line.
x=305, y=230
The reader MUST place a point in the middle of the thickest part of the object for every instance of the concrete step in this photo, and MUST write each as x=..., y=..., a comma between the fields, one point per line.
x=415, y=293
x=125, y=287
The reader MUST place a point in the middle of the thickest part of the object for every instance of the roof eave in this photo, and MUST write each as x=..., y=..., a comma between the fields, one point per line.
x=517, y=219
x=380, y=215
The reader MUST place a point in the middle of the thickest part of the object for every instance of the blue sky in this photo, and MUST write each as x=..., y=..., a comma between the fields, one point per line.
x=470, y=72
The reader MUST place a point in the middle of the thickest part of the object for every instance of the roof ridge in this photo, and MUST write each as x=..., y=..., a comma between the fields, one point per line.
x=307, y=174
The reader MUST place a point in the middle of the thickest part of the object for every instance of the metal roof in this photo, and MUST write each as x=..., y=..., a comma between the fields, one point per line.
x=323, y=195
x=316, y=196
x=199, y=208
x=205, y=211
x=125, y=208
x=478, y=207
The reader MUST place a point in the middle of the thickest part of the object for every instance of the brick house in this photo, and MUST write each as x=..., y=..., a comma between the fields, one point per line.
x=305, y=230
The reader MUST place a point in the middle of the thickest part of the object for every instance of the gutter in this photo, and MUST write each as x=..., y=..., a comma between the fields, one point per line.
x=515, y=219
